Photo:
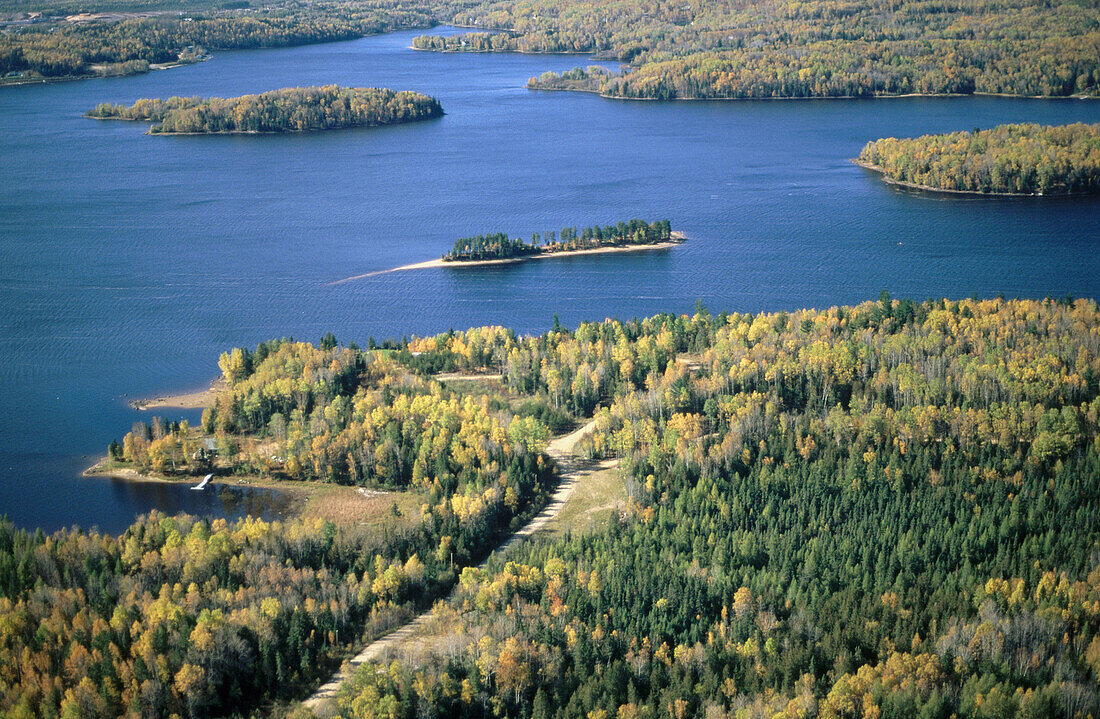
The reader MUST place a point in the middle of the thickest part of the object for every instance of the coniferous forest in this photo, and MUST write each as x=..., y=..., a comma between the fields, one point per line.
x=887, y=510
x=882, y=510
x=1009, y=159
x=298, y=109
x=498, y=246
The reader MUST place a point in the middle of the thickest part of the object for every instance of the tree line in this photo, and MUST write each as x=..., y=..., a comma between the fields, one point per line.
x=499, y=246
x=1025, y=159
x=299, y=109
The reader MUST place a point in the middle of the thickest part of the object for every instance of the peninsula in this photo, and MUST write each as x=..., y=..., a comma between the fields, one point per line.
x=1012, y=160
x=297, y=109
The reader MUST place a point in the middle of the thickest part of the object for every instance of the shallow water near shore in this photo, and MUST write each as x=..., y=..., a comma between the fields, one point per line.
x=128, y=262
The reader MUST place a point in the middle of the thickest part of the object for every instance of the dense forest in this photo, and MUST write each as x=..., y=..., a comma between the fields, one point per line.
x=1015, y=159
x=298, y=109
x=888, y=510
x=765, y=48
x=499, y=246
x=179, y=617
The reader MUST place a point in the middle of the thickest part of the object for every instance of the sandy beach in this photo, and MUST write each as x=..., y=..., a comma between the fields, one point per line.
x=677, y=239
x=191, y=400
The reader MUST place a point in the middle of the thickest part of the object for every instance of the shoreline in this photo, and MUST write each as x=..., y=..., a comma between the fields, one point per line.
x=943, y=190
x=153, y=67
x=106, y=468
x=677, y=239
x=884, y=96
x=199, y=399
x=341, y=503
x=150, y=132
x=297, y=493
x=103, y=469
x=307, y=131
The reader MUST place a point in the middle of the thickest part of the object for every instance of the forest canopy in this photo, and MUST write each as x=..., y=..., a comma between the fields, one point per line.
x=887, y=510
x=187, y=617
x=299, y=109
x=1025, y=159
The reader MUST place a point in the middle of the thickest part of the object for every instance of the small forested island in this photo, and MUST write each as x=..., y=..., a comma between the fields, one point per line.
x=1026, y=159
x=498, y=246
x=296, y=109
x=883, y=510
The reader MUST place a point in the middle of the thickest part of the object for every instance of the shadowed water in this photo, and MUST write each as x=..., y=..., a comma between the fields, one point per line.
x=129, y=262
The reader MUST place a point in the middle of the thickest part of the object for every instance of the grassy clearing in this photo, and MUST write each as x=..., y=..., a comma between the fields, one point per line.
x=599, y=493
x=353, y=505
x=472, y=384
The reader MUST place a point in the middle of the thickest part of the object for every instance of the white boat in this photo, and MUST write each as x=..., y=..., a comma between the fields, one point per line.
x=204, y=482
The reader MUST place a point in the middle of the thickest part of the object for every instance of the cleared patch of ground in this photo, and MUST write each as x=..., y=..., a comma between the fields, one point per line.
x=356, y=505
x=598, y=494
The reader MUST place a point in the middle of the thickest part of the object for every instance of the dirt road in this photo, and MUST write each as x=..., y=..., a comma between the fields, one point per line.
x=561, y=451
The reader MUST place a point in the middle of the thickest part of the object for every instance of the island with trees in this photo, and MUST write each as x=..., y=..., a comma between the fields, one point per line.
x=883, y=510
x=634, y=234
x=499, y=249
x=298, y=109
x=1026, y=159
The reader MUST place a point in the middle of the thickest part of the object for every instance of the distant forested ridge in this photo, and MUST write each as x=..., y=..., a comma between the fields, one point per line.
x=499, y=246
x=299, y=109
x=1011, y=159
x=770, y=49
x=889, y=510
x=755, y=49
x=52, y=47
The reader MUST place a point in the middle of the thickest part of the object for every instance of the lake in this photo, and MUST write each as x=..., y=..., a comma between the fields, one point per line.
x=128, y=262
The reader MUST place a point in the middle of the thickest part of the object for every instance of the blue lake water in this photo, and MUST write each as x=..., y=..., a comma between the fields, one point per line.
x=129, y=262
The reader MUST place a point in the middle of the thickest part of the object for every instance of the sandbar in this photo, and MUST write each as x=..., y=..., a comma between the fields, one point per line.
x=190, y=400
x=677, y=239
